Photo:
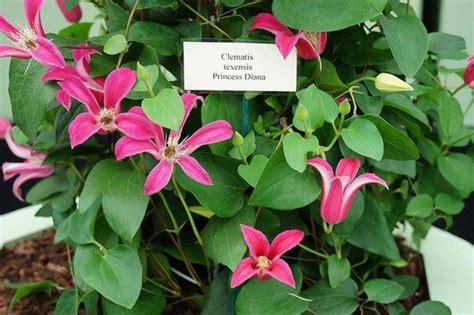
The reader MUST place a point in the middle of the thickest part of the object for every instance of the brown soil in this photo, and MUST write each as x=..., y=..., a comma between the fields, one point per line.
x=31, y=261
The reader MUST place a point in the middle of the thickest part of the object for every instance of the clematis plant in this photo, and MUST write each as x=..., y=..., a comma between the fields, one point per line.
x=173, y=150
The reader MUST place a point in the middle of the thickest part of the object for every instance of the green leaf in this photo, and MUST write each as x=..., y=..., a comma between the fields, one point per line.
x=164, y=39
x=363, y=137
x=407, y=168
x=328, y=301
x=449, y=204
x=410, y=283
x=457, y=169
x=321, y=107
x=166, y=109
x=153, y=75
x=81, y=225
x=345, y=228
x=282, y=188
x=319, y=15
x=328, y=79
x=397, y=145
x=403, y=103
x=117, y=274
x=430, y=307
x=116, y=17
x=66, y=304
x=233, y=3
x=222, y=238
x=378, y=239
x=339, y=269
x=123, y=200
x=226, y=196
x=408, y=41
x=148, y=4
x=420, y=206
x=46, y=188
x=115, y=44
x=148, y=304
x=219, y=297
x=251, y=173
x=23, y=290
x=451, y=118
x=443, y=43
x=269, y=298
x=383, y=291
x=296, y=149
x=78, y=31
x=29, y=95
x=247, y=149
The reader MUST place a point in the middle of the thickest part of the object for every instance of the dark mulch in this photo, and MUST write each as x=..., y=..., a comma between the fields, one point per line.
x=30, y=261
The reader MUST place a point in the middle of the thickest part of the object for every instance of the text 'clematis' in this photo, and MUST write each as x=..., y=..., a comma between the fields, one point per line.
x=339, y=190
x=264, y=261
x=309, y=45
x=173, y=151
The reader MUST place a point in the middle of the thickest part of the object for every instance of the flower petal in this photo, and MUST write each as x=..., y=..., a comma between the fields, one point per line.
x=267, y=22
x=348, y=167
x=189, y=101
x=32, y=13
x=287, y=42
x=306, y=49
x=256, y=241
x=5, y=126
x=158, y=134
x=10, y=169
x=59, y=74
x=284, y=242
x=469, y=73
x=281, y=271
x=194, y=170
x=127, y=147
x=77, y=89
x=73, y=15
x=63, y=99
x=7, y=28
x=326, y=172
x=7, y=51
x=117, y=86
x=18, y=150
x=158, y=178
x=244, y=271
x=48, y=54
x=135, y=126
x=214, y=132
x=331, y=209
x=82, y=128
x=46, y=171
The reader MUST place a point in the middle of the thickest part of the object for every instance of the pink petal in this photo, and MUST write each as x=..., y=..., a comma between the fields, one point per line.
x=127, y=147
x=326, y=172
x=10, y=169
x=48, y=54
x=284, y=242
x=5, y=126
x=158, y=133
x=348, y=167
x=286, y=42
x=45, y=172
x=32, y=13
x=244, y=271
x=117, y=86
x=331, y=209
x=77, y=89
x=281, y=271
x=7, y=51
x=306, y=49
x=214, y=132
x=82, y=52
x=189, y=101
x=63, y=99
x=194, y=170
x=256, y=241
x=469, y=73
x=18, y=150
x=135, y=126
x=82, y=128
x=59, y=74
x=73, y=15
x=8, y=29
x=159, y=177
x=267, y=22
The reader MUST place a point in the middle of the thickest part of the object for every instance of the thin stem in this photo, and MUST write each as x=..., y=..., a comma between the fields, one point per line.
x=127, y=30
x=459, y=88
x=241, y=7
x=78, y=173
x=170, y=213
x=358, y=80
x=202, y=17
x=161, y=286
x=149, y=88
x=312, y=251
x=336, y=247
x=242, y=156
x=188, y=212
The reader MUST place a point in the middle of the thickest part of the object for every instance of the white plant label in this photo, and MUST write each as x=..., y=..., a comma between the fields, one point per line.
x=210, y=66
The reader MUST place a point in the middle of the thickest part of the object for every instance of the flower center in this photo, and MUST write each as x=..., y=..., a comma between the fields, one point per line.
x=170, y=152
x=263, y=262
x=314, y=39
x=106, y=119
x=26, y=38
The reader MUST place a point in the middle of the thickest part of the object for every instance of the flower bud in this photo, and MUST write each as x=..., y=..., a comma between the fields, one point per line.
x=238, y=141
x=389, y=83
x=142, y=72
x=301, y=113
x=344, y=107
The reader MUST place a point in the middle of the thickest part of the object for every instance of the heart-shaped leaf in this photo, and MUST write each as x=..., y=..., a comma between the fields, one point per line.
x=296, y=150
x=166, y=109
x=251, y=173
x=363, y=137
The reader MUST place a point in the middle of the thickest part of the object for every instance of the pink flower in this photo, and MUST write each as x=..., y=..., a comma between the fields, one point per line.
x=172, y=151
x=309, y=45
x=104, y=118
x=469, y=73
x=73, y=15
x=30, y=41
x=340, y=190
x=5, y=125
x=31, y=168
x=264, y=261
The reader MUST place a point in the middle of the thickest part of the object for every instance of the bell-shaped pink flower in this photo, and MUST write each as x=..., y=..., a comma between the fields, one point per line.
x=31, y=168
x=340, y=190
x=173, y=150
x=469, y=72
x=264, y=261
x=30, y=41
x=5, y=125
x=308, y=44
x=73, y=15
x=107, y=117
